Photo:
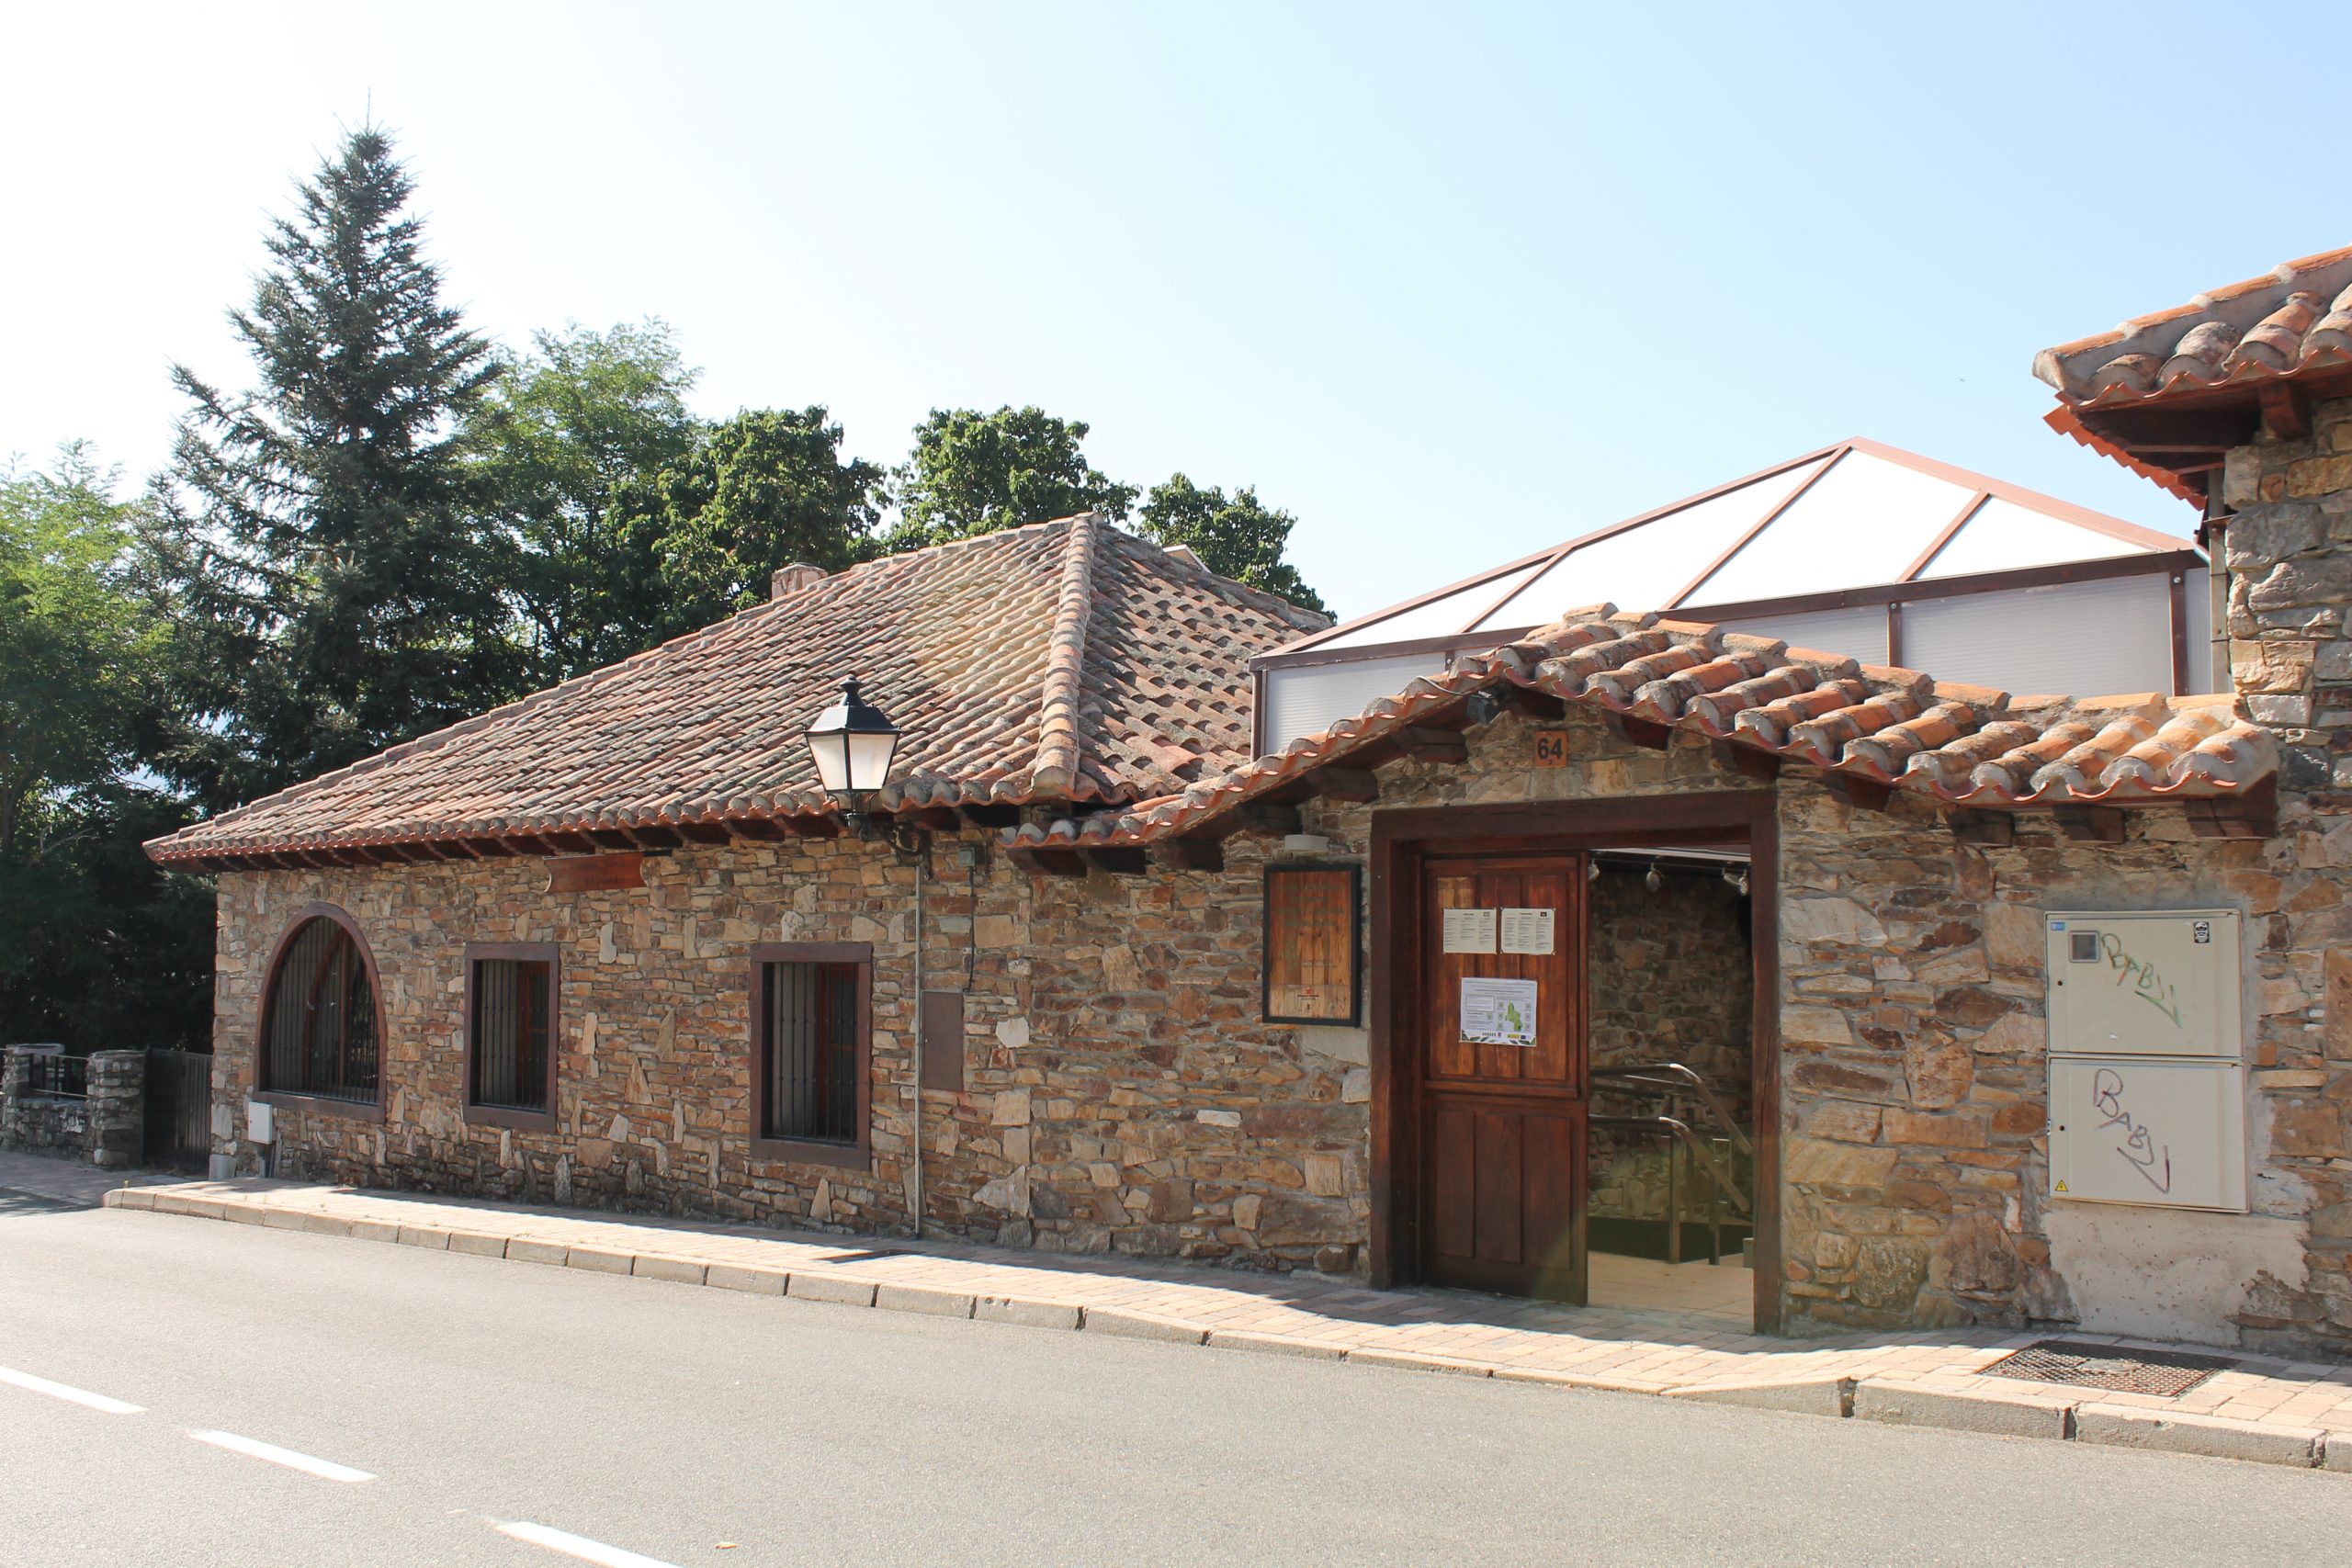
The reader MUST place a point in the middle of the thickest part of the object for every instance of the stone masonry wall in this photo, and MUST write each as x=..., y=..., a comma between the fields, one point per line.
x=105, y=1126
x=1670, y=978
x=1120, y=1093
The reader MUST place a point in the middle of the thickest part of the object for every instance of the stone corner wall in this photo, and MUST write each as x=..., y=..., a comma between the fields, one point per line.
x=105, y=1126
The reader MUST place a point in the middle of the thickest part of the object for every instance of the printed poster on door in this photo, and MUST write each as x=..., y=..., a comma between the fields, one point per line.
x=1527, y=930
x=1468, y=931
x=1498, y=1012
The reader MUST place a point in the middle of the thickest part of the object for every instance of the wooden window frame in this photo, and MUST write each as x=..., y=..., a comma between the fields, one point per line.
x=550, y=954
x=1354, y=1019
x=298, y=1100
x=858, y=1156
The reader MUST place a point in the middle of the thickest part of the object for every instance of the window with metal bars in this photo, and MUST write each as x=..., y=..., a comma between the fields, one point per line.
x=814, y=1029
x=511, y=1033
x=320, y=1021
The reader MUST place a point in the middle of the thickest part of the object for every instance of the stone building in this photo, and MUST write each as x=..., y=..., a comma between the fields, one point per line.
x=1093, y=978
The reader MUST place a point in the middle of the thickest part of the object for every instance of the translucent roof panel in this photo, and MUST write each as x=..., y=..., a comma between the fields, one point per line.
x=1645, y=566
x=2001, y=536
x=1865, y=522
x=1439, y=617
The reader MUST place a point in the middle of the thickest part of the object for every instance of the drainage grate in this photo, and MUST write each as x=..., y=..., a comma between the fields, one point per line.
x=868, y=1255
x=2169, y=1373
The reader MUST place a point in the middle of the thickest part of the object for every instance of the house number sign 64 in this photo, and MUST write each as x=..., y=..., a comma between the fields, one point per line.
x=1551, y=748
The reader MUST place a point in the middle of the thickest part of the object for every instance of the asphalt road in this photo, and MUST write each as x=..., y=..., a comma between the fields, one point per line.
x=665, y=1419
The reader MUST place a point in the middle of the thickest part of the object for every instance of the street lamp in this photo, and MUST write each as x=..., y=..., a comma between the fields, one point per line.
x=852, y=744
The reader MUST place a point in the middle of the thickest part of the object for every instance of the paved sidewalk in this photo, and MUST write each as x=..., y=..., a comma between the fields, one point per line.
x=2265, y=1409
x=78, y=1182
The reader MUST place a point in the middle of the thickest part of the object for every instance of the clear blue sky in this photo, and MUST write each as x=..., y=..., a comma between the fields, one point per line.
x=1448, y=282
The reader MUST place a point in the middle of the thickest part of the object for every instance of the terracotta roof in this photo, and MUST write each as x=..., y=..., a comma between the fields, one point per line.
x=1963, y=746
x=2297, y=317
x=1063, y=662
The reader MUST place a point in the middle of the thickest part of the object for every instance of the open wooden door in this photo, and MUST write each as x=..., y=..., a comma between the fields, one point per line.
x=1502, y=1082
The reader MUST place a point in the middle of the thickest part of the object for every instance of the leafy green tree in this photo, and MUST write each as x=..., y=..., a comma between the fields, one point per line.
x=976, y=473
x=1241, y=538
x=97, y=945
x=81, y=658
x=565, y=441
x=762, y=491
x=325, y=538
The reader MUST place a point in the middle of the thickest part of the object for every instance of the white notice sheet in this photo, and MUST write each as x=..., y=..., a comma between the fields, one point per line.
x=1527, y=930
x=1469, y=930
x=1498, y=1012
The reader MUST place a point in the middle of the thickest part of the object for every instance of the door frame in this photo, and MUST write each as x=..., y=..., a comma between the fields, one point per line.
x=1401, y=838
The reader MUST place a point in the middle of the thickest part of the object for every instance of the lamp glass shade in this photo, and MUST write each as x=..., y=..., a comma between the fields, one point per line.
x=852, y=743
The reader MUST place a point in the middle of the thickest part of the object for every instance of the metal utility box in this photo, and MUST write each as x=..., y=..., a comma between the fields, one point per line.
x=2160, y=983
x=2145, y=1130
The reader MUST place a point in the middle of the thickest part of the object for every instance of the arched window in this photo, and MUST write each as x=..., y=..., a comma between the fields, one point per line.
x=318, y=1022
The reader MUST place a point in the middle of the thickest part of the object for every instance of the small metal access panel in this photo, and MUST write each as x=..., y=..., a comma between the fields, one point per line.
x=2148, y=1130
x=2164, y=983
x=2147, y=1088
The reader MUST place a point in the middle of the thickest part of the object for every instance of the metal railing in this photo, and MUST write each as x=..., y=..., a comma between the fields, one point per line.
x=1679, y=1090
x=56, y=1075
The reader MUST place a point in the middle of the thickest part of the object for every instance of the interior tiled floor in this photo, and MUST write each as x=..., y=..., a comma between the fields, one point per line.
x=1723, y=1293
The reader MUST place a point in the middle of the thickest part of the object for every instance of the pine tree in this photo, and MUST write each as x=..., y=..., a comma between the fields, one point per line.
x=340, y=588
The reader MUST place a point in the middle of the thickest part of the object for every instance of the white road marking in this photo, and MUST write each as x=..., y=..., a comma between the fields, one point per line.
x=73, y=1395
x=580, y=1546
x=325, y=1469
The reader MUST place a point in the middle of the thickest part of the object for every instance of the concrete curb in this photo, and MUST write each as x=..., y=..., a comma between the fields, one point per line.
x=1887, y=1400
x=1830, y=1397
x=1905, y=1406
x=2216, y=1437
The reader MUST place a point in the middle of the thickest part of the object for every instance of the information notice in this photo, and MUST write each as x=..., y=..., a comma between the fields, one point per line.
x=1498, y=1012
x=1469, y=930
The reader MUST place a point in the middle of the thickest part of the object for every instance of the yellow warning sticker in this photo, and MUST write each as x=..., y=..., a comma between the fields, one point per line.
x=2062, y=1186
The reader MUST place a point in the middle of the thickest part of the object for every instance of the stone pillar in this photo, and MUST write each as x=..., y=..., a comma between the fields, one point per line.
x=2287, y=552
x=16, y=1089
x=118, y=1105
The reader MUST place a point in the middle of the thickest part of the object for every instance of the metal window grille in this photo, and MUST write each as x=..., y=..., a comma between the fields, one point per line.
x=322, y=1017
x=59, y=1077
x=511, y=1016
x=812, y=1025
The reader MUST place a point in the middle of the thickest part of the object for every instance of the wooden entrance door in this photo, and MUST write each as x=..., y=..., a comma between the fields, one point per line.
x=1503, y=1129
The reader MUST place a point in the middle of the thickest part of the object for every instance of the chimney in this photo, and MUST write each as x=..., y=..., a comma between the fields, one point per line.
x=794, y=578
